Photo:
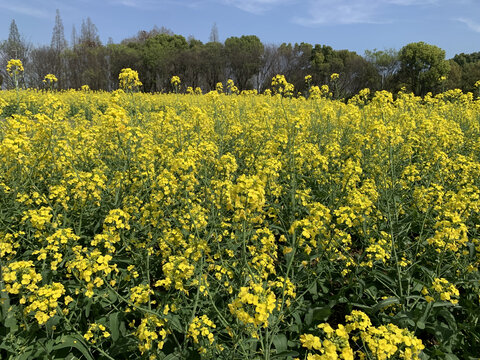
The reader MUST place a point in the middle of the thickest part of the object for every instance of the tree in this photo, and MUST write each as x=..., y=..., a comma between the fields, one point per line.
x=87, y=59
x=190, y=61
x=355, y=72
x=44, y=60
x=58, y=43
x=89, y=34
x=15, y=47
x=122, y=56
x=214, y=34
x=462, y=59
x=160, y=55
x=454, y=78
x=269, y=68
x=422, y=66
x=74, y=37
x=244, y=55
x=213, y=63
x=387, y=64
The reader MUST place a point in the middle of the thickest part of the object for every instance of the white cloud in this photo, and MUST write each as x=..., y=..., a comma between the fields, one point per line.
x=155, y=4
x=472, y=25
x=32, y=11
x=256, y=6
x=327, y=12
x=340, y=12
x=411, y=2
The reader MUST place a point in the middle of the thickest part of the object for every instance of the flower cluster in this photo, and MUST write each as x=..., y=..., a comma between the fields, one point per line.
x=50, y=79
x=230, y=215
x=128, y=79
x=14, y=67
x=383, y=342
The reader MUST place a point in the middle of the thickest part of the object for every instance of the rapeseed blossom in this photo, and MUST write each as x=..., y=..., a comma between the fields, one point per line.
x=14, y=67
x=214, y=225
x=128, y=79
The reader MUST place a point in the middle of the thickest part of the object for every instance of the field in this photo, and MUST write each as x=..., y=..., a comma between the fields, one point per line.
x=239, y=226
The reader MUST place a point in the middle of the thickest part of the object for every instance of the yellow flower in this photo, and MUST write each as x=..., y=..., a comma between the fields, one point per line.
x=334, y=76
x=128, y=79
x=14, y=66
x=50, y=79
x=175, y=81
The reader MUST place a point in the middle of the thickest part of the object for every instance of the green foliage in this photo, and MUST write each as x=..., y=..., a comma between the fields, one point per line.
x=244, y=54
x=422, y=66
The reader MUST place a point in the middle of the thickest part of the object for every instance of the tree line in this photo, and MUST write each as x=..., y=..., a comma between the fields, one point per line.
x=159, y=54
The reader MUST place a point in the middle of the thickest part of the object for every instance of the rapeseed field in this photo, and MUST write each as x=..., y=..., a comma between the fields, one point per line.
x=236, y=225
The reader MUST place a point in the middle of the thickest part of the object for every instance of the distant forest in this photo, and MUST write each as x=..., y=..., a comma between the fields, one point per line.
x=159, y=54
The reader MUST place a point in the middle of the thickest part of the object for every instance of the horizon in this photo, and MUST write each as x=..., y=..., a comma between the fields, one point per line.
x=342, y=24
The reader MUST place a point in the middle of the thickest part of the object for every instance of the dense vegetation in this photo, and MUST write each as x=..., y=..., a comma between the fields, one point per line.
x=159, y=54
x=173, y=226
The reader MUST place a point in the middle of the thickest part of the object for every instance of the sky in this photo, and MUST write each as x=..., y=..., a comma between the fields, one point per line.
x=356, y=25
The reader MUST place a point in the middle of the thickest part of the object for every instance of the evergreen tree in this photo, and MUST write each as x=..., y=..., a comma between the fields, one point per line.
x=58, y=43
x=15, y=47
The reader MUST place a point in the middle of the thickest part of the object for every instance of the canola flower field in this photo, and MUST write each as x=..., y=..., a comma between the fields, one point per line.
x=239, y=226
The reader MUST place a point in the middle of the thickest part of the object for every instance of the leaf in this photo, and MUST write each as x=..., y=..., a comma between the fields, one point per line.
x=112, y=296
x=171, y=357
x=174, y=321
x=11, y=323
x=113, y=326
x=88, y=307
x=449, y=318
x=313, y=289
x=361, y=306
x=386, y=279
x=372, y=291
x=297, y=318
x=421, y=324
x=451, y=356
x=321, y=313
x=280, y=342
x=285, y=354
x=421, y=321
x=74, y=341
x=387, y=302
x=25, y=356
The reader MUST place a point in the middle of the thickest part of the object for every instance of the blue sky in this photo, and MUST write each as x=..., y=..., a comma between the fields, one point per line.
x=453, y=25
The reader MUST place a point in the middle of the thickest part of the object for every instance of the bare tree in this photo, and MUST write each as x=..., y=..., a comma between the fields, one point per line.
x=58, y=43
x=214, y=34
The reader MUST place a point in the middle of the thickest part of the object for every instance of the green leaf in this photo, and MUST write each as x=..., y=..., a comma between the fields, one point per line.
x=171, y=357
x=280, y=342
x=451, y=357
x=449, y=318
x=11, y=323
x=174, y=321
x=297, y=318
x=313, y=289
x=384, y=278
x=387, y=302
x=422, y=320
x=421, y=324
x=285, y=354
x=321, y=313
x=112, y=296
x=88, y=307
x=372, y=291
x=113, y=325
x=25, y=356
x=74, y=341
